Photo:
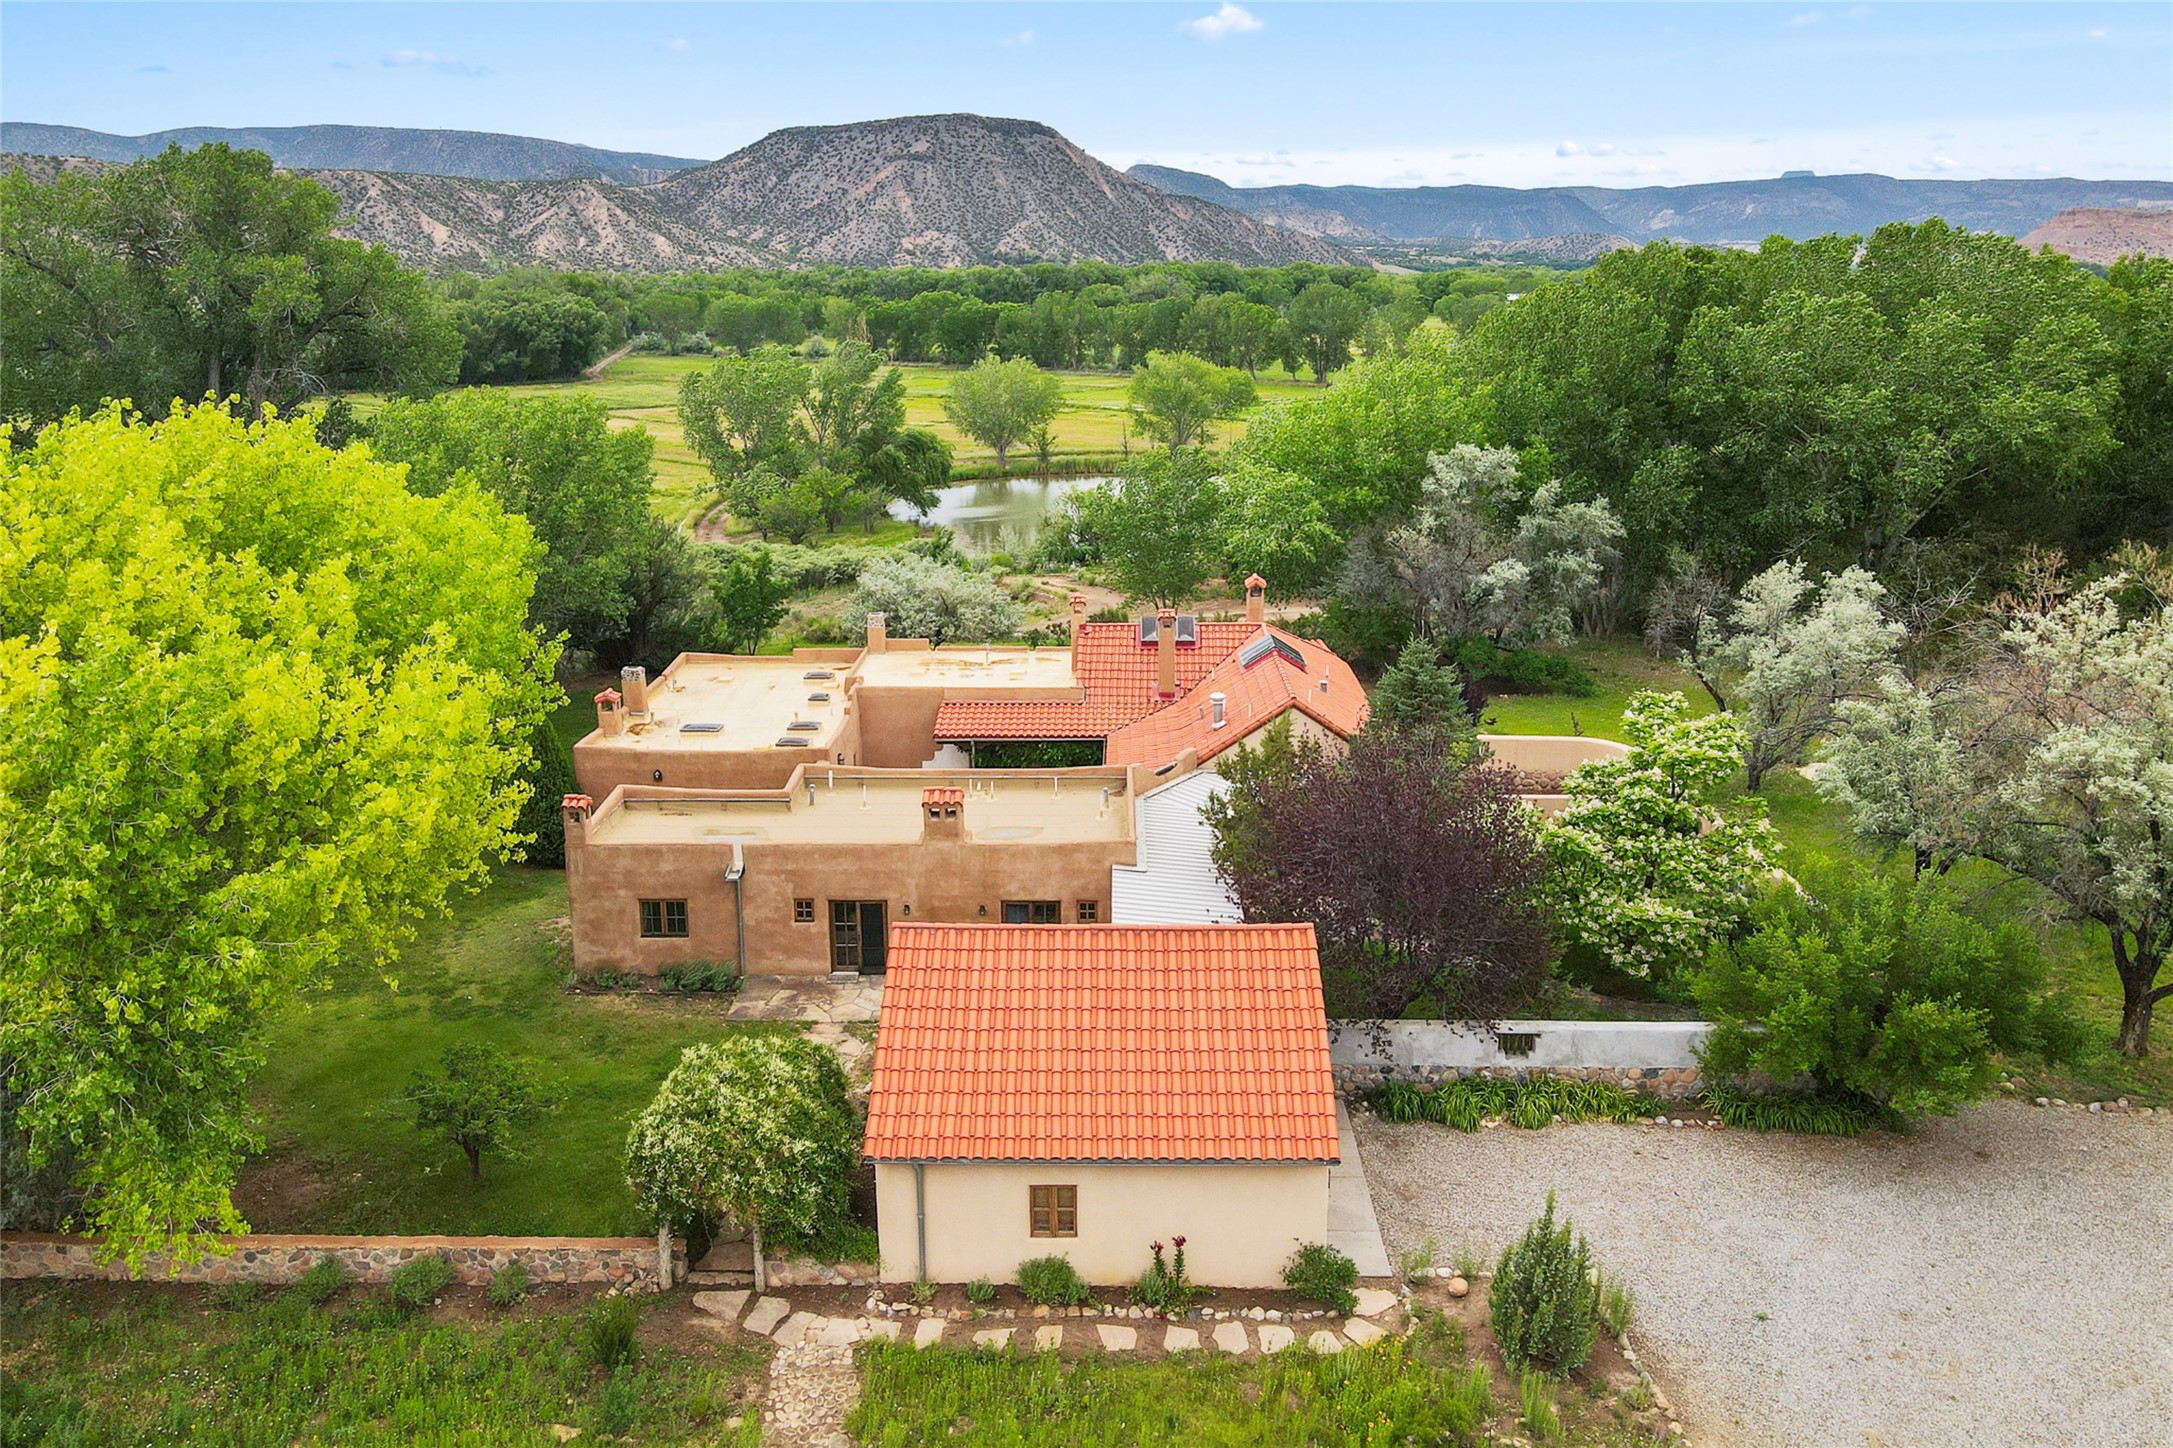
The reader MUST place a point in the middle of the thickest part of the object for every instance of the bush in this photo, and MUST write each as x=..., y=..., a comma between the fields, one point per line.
x=1470, y=1100
x=1051, y=1282
x=326, y=1278
x=607, y=1331
x=721, y=976
x=980, y=1290
x=508, y=1285
x=1324, y=1274
x=1614, y=1302
x=1805, y=1112
x=922, y=1291
x=1164, y=1287
x=1524, y=671
x=1881, y=987
x=1418, y=1264
x=234, y=1296
x=1542, y=1308
x=416, y=1284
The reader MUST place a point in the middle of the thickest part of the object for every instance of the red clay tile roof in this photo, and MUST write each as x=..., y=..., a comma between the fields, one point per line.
x=939, y=795
x=1102, y=1043
x=1116, y=672
x=1254, y=694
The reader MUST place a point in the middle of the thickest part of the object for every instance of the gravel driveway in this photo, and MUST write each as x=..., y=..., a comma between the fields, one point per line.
x=2003, y=1278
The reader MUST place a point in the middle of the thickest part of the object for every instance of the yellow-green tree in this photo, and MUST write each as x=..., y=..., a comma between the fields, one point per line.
x=265, y=708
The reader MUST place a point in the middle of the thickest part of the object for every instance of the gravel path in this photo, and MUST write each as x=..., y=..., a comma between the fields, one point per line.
x=2003, y=1278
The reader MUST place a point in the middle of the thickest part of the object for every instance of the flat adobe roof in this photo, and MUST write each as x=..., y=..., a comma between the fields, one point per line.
x=973, y=666
x=753, y=701
x=845, y=806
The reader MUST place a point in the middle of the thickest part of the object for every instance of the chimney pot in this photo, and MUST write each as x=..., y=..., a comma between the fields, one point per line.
x=609, y=719
x=634, y=682
x=878, y=633
x=1256, y=599
x=1165, y=653
x=1215, y=707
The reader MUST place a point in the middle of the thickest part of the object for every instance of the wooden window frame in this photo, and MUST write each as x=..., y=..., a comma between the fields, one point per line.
x=1037, y=912
x=1090, y=912
x=803, y=911
x=1052, y=1211
x=660, y=914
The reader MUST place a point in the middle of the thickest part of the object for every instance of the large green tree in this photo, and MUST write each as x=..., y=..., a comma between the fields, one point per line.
x=1000, y=404
x=265, y=708
x=195, y=274
x=1176, y=399
x=1324, y=320
x=1156, y=526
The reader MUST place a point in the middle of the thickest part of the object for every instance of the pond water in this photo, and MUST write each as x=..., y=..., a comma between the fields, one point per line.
x=994, y=514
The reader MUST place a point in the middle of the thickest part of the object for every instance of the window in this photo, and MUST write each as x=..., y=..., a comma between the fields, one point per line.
x=1033, y=912
x=1053, y=1211
x=803, y=912
x=664, y=919
x=1090, y=911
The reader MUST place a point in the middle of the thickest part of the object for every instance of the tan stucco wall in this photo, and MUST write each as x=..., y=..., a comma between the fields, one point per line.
x=1240, y=1222
x=1550, y=753
x=942, y=880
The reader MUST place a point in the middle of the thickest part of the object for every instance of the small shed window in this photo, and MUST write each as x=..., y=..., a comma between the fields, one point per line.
x=663, y=919
x=1033, y=912
x=803, y=912
x=1053, y=1211
x=1090, y=912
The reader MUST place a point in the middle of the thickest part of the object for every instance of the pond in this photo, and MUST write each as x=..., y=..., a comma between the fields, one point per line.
x=994, y=514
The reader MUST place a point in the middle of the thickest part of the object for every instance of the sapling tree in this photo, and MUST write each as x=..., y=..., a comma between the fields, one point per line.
x=1649, y=862
x=760, y=1129
x=481, y=1098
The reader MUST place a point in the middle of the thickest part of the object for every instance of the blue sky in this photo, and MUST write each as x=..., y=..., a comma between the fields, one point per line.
x=1536, y=94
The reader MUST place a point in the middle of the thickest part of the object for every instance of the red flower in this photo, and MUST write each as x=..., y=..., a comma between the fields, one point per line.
x=1180, y=1242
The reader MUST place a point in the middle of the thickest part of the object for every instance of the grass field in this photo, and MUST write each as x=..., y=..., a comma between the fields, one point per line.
x=91, y=1365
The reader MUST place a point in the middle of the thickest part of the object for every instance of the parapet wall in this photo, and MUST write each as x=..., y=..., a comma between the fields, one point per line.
x=1658, y=1057
x=276, y=1259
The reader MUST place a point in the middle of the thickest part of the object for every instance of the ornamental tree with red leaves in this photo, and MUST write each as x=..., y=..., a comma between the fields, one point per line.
x=1419, y=871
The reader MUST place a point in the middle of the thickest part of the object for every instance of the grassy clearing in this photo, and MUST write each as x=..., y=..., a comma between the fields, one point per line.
x=346, y=1155
x=93, y=1366
x=1620, y=667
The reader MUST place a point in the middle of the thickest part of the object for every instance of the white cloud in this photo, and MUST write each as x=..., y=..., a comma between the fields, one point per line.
x=678, y=45
x=1809, y=17
x=1569, y=148
x=1939, y=163
x=1231, y=19
x=2098, y=34
x=430, y=59
x=1024, y=37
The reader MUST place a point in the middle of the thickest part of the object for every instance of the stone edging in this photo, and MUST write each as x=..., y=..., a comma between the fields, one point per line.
x=624, y=1262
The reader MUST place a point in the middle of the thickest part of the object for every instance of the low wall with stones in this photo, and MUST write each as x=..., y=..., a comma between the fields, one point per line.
x=628, y=1262
x=1657, y=1057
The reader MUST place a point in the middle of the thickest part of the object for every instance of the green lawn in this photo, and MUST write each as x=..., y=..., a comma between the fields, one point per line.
x=346, y=1156
x=1620, y=667
x=87, y=1365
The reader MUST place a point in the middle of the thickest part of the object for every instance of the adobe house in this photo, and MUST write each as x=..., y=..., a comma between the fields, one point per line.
x=806, y=879
x=1088, y=1090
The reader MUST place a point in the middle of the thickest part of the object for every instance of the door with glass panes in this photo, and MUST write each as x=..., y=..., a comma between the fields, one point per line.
x=859, y=943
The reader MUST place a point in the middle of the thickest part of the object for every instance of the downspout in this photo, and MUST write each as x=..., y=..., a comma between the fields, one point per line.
x=739, y=906
x=920, y=1219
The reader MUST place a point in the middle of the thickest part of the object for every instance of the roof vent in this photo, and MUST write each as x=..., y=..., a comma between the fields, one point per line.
x=1264, y=645
x=701, y=729
x=809, y=726
x=820, y=696
x=794, y=743
x=1215, y=708
x=818, y=674
x=1149, y=630
x=1188, y=629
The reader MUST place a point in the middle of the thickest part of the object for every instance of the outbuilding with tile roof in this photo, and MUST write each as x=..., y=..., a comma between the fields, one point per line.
x=1090, y=1090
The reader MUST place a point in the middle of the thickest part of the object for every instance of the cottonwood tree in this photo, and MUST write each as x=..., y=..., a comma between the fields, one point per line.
x=201, y=274
x=265, y=708
x=1176, y=398
x=1156, y=526
x=1273, y=523
x=2047, y=755
x=1477, y=558
x=481, y=1099
x=1002, y=404
x=1792, y=651
x=1324, y=320
x=1649, y=862
x=923, y=599
x=750, y=599
x=1421, y=875
x=760, y=1129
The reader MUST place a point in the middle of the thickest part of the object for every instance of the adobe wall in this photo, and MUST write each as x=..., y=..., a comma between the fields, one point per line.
x=277, y=1259
x=1657, y=1057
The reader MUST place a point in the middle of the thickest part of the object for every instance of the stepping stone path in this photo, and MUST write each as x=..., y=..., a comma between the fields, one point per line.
x=1046, y=1338
x=996, y=1337
x=1274, y=1337
x=929, y=1333
x=1372, y=1302
x=813, y=1387
x=1230, y=1337
x=767, y=1314
x=727, y=1305
x=1117, y=1339
x=1361, y=1332
x=1324, y=1342
x=837, y=1332
x=1180, y=1339
x=887, y=1329
x=795, y=1329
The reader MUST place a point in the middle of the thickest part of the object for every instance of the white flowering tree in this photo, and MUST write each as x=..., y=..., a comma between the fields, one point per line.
x=757, y=1128
x=2050, y=755
x=1790, y=652
x=1649, y=866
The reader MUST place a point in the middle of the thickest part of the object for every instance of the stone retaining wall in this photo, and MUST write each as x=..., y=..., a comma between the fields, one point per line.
x=615, y=1261
x=1656, y=1057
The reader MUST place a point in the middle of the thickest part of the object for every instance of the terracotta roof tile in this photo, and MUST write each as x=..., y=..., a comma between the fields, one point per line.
x=1116, y=672
x=1102, y=1043
x=939, y=795
x=1253, y=694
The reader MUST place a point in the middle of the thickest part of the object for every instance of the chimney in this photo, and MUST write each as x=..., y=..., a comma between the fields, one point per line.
x=634, y=681
x=1256, y=599
x=1078, y=624
x=1165, y=653
x=577, y=809
x=878, y=633
x=943, y=809
x=1215, y=703
x=609, y=717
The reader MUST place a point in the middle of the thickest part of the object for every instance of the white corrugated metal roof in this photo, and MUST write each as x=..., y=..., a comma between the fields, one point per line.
x=1174, y=882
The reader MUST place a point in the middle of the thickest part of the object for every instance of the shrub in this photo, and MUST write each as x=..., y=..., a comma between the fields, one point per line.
x=508, y=1285
x=1614, y=1302
x=1324, y=1274
x=1467, y=1261
x=922, y=1291
x=1541, y=1418
x=1051, y=1282
x=980, y=1290
x=326, y=1278
x=415, y=1284
x=1164, y=1287
x=1542, y=1306
x=1805, y=1112
x=721, y=976
x=1525, y=671
x=481, y=1098
x=607, y=1331
x=1877, y=986
x=234, y=1296
x=1418, y=1263
x=1469, y=1100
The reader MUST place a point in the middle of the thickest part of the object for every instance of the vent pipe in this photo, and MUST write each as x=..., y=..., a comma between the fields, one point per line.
x=634, y=684
x=878, y=633
x=1215, y=703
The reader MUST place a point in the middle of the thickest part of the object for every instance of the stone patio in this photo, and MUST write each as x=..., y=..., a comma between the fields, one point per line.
x=807, y=998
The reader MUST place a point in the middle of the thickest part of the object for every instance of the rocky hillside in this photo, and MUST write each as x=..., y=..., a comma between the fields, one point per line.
x=960, y=190
x=2103, y=236
x=1720, y=213
x=480, y=155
